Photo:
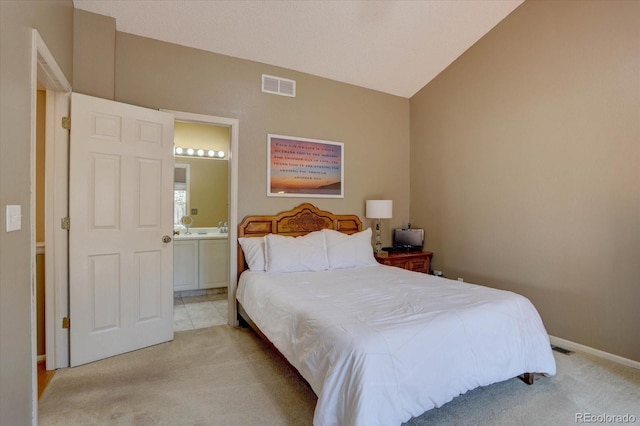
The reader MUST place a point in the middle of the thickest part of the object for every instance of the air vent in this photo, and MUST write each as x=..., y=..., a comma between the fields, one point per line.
x=561, y=350
x=278, y=86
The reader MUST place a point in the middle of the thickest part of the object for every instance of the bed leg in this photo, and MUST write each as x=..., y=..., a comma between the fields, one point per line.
x=527, y=378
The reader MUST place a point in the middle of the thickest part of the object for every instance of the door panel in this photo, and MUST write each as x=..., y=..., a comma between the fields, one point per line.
x=121, y=205
x=148, y=194
x=149, y=300
x=104, y=291
x=104, y=191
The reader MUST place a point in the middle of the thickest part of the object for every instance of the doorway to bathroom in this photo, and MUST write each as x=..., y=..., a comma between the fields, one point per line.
x=205, y=206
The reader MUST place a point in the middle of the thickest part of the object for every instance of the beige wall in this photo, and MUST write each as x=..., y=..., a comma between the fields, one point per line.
x=525, y=166
x=93, y=53
x=373, y=126
x=54, y=21
x=200, y=135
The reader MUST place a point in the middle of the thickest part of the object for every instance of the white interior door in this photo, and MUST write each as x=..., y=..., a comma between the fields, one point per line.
x=121, y=206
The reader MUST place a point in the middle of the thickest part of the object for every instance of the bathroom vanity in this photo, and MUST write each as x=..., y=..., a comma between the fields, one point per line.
x=200, y=259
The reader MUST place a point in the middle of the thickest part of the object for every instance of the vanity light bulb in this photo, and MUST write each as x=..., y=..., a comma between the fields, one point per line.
x=179, y=150
x=211, y=153
x=221, y=154
x=201, y=152
x=190, y=151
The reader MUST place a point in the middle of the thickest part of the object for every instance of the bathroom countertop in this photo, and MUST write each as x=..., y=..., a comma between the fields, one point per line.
x=200, y=236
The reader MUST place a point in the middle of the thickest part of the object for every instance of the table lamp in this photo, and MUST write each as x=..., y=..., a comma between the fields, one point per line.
x=379, y=209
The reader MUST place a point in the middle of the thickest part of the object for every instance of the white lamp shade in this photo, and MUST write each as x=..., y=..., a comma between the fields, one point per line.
x=379, y=209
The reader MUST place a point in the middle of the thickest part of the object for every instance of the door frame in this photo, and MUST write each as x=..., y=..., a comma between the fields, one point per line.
x=46, y=73
x=234, y=125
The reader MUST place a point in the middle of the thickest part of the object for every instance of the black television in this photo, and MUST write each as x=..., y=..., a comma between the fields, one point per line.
x=408, y=239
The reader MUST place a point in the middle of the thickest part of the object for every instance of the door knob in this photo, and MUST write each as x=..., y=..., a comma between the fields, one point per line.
x=166, y=239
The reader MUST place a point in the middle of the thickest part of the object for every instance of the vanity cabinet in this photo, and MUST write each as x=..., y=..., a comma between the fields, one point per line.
x=200, y=264
x=185, y=265
x=213, y=260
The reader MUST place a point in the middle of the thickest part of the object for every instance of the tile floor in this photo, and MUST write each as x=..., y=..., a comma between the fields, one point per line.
x=198, y=311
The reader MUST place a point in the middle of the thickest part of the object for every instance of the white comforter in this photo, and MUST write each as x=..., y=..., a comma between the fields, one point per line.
x=380, y=345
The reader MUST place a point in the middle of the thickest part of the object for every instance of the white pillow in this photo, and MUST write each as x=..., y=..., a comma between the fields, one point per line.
x=349, y=251
x=296, y=254
x=253, y=248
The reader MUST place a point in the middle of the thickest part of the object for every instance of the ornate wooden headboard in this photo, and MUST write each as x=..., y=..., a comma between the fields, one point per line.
x=299, y=221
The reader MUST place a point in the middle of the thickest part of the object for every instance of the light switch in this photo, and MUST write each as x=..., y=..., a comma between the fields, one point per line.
x=14, y=218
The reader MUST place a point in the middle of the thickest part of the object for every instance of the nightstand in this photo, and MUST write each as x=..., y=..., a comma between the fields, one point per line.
x=418, y=261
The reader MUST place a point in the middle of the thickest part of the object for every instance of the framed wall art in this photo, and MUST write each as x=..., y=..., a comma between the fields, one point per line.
x=302, y=167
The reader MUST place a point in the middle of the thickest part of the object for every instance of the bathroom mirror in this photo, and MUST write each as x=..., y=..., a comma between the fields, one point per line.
x=201, y=181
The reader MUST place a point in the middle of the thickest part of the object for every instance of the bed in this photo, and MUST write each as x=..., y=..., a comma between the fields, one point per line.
x=377, y=344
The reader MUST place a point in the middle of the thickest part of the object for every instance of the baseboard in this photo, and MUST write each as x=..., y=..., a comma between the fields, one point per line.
x=567, y=344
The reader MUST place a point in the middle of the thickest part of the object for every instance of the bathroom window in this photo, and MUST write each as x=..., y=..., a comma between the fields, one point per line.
x=180, y=192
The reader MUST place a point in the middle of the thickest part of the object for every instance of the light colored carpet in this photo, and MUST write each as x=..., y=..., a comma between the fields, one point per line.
x=228, y=376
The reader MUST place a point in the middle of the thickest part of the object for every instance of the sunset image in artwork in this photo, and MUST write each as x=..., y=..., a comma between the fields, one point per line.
x=299, y=166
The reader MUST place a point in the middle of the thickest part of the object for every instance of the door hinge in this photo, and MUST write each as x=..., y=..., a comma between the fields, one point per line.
x=65, y=223
x=66, y=123
x=66, y=322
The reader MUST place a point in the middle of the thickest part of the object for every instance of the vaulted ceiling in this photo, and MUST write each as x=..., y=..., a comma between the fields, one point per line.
x=395, y=47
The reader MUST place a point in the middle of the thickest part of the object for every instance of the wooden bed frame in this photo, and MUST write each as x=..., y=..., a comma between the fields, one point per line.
x=300, y=220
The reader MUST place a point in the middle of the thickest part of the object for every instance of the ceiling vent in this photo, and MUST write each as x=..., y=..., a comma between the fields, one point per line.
x=278, y=86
